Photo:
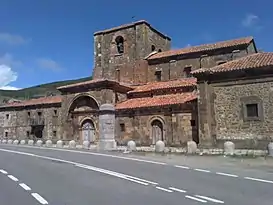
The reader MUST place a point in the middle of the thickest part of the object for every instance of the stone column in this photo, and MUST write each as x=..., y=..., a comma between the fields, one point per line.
x=107, y=127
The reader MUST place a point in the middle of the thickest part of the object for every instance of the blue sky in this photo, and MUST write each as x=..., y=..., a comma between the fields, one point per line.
x=50, y=40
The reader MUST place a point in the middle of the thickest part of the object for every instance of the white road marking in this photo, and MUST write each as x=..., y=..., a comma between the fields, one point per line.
x=259, y=180
x=226, y=174
x=163, y=189
x=13, y=178
x=99, y=154
x=196, y=199
x=182, y=167
x=17, y=152
x=111, y=173
x=3, y=171
x=202, y=170
x=25, y=187
x=178, y=190
x=39, y=198
x=210, y=199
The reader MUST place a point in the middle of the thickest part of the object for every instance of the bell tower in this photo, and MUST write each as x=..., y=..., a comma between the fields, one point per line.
x=119, y=52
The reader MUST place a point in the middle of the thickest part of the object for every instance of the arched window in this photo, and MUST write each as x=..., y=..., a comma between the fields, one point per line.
x=159, y=50
x=120, y=44
x=152, y=48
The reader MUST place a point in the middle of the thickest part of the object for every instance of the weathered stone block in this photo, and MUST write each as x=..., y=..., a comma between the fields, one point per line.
x=10, y=141
x=30, y=142
x=72, y=144
x=191, y=147
x=107, y=127
x=39, y=143
x=131, y=146
x=16, y=142
x=59, y=144
x=159, y=146
x=4, y=141
x=86, y=144
x=229, y=148
x=270, y=149
x=48, y=143
x=22, y=142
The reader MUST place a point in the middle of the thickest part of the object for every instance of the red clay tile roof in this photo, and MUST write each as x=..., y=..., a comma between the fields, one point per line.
x=38, y=101
x=164, y=85
x=129, y=25
x=256, y=60
x=89, y=82
x=156, y=101
x=204, y=47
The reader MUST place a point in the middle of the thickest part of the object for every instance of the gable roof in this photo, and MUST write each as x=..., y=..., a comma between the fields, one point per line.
x=156, y=101
x=203, y=48
x=257, y=60
x=37, y=101
x=153, y=86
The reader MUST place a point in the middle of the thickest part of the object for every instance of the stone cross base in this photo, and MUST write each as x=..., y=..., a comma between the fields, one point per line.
x=107, y=144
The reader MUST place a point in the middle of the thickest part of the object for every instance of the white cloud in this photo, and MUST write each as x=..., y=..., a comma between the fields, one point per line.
x=250, y=20
x=7, y=76
x=48, y=63
x=9, y=88
x=12, y=39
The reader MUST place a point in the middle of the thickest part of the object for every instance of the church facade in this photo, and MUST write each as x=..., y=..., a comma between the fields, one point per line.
x=208, y=93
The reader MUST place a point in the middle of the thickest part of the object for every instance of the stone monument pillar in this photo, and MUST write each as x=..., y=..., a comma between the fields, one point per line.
x=107, y=127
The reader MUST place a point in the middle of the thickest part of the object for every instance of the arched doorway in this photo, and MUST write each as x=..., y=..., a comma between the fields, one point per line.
x=157, y=131
x=82, y=107
x=88, y=131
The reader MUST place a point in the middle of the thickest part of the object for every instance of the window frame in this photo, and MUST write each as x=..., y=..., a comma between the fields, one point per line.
x=158, y=73
x=252, y=100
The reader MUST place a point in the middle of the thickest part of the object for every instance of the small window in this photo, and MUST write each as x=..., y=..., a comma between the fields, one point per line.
x=252, y=110
x=6, y=134
x=193, y=123
x=55, y=112
x=39, y=114
x=54, y=133
x=7, y=116
x=158, y=75
x=159, y=50
x=120, y=44
x=187, y=72
x=122, y=127
x=28, y=133
x=28, y=114
x=152, y=48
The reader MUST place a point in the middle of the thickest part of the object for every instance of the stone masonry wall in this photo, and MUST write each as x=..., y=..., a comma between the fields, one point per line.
x=173, y=67
x=137, y=45
x=228, y=110
x=16, y=123
x=177, y=127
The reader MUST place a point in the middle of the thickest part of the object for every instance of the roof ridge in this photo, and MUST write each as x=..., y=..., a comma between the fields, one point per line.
x=190, y=49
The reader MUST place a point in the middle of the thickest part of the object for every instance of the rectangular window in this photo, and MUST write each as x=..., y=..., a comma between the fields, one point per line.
x=187, y=72
x=252, y=110
x=6, y=134
x=158, y=75
x=28, y=133
x=7, y=116
x=54, y=133
x=193, y=123
x=55, y=112
x=28, y=114
x=122, y=127
x=39, y=114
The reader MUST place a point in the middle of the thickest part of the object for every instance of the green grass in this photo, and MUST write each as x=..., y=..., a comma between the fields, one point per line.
x=37, y=91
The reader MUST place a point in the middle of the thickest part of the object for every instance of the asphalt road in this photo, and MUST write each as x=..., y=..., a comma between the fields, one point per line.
x=64, y=177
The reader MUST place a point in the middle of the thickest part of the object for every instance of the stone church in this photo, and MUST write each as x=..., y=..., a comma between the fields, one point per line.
x=209, y=94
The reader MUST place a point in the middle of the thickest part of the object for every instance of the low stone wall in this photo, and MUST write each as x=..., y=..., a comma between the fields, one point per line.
x=191, y=149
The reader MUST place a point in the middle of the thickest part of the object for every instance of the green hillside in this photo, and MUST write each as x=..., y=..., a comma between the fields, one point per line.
x=37, y=91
